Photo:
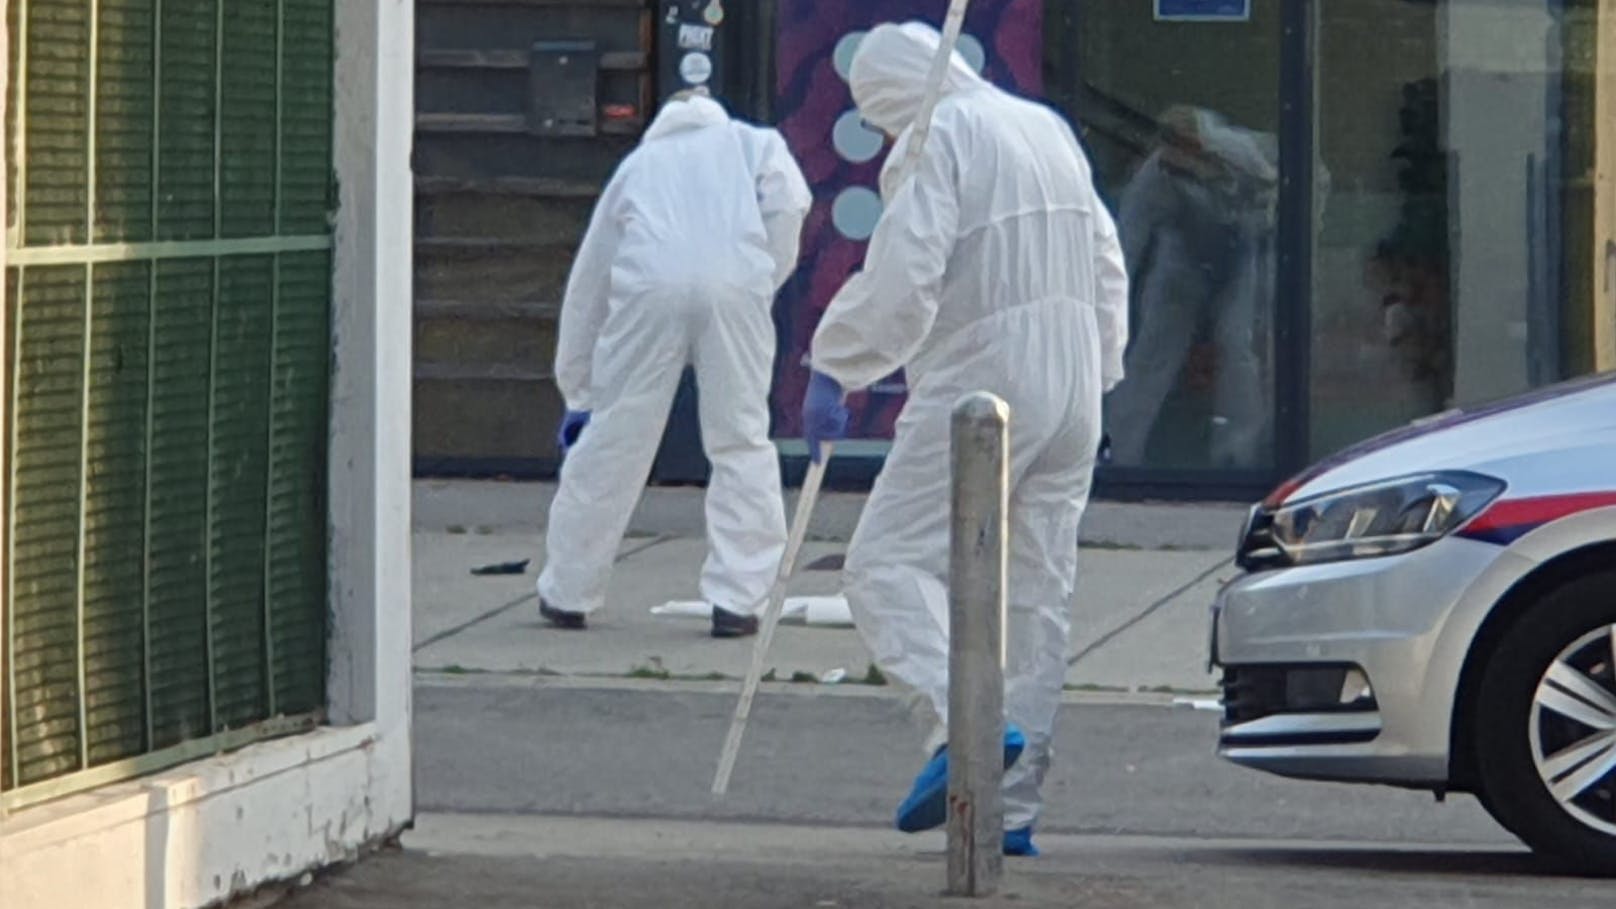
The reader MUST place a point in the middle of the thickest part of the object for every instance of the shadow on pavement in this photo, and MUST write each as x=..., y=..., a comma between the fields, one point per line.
x=1498, y=863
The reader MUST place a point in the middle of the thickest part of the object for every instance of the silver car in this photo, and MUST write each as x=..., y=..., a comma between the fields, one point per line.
x=1436, y=609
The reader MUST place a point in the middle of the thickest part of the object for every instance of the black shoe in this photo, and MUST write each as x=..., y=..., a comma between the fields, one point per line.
x=560, y=618
x=728, y=624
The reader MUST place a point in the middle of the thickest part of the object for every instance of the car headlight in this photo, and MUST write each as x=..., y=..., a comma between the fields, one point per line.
x=1363, y=522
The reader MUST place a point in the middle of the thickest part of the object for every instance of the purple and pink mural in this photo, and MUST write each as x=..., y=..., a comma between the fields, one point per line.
x=842, y=160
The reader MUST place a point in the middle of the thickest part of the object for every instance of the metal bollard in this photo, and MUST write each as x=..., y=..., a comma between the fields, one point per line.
x=977, y=568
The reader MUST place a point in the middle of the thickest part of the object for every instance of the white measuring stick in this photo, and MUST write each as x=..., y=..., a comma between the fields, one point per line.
x=952, y=24
x=771, y=619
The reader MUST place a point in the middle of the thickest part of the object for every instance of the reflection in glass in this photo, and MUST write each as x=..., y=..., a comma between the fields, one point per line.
x=1381, y=321
x=1197, y=225
x=1181, y=120
x=1453, y=265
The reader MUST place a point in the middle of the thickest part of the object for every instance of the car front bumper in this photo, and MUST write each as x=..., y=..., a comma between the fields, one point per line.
x=1335, y=671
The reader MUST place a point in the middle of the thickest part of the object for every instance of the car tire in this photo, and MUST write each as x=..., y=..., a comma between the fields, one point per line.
x=1518, y=732
x=1492, y=810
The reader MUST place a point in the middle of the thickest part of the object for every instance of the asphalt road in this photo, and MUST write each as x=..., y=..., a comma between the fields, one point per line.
x=539, y=794
x=847, y=760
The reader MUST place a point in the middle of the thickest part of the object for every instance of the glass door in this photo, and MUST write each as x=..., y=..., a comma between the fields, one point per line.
x=1178, y=105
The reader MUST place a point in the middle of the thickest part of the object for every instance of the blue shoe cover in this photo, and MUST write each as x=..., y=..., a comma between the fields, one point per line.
x=1019, y=842
x=927, y=805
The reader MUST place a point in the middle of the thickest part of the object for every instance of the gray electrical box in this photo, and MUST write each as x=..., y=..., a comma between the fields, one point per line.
x=563, y=82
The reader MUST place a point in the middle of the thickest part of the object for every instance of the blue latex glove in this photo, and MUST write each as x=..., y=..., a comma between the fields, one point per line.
x=572, y=426
x=824, y=415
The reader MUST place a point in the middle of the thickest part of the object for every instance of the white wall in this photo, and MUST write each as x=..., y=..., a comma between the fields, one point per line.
x=371, y=386
x=211, y=829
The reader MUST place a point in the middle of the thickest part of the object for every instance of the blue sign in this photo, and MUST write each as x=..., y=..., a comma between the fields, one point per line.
x=1203, y=10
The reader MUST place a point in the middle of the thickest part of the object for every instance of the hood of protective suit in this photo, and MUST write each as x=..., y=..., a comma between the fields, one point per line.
x=888, y=75
x=1204, y=143
x=679, y=116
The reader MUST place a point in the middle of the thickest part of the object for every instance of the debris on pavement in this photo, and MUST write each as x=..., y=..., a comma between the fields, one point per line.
x=502, y=568
x=836, y=561
x=823, y=611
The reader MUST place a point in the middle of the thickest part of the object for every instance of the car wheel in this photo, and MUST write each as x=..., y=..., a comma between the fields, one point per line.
x=1546, y=725
x=1492, y=809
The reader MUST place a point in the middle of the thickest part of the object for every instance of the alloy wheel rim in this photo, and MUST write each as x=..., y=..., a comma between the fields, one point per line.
x=1572, y=729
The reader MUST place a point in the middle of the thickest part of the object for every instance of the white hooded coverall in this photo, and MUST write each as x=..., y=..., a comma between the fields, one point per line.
x=690, y=241
x=997, y=268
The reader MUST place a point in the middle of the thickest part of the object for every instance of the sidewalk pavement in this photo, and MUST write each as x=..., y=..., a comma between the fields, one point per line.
x=571, y=863
x=547, y=779
x=483, y=506
x=1147, y=576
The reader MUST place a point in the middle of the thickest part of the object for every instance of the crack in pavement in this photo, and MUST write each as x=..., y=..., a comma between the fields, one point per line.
x=1145, y=613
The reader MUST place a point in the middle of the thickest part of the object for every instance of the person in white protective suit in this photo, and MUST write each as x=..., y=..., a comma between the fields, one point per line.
x=687, y=247
x=1197, y=226
x=994, y=268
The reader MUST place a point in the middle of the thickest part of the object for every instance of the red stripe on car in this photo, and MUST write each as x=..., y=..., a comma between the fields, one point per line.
x=1515, y=517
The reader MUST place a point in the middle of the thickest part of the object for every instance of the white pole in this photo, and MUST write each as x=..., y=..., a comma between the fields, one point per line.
x=771, y=620
x=952, y=24
x=977, y=568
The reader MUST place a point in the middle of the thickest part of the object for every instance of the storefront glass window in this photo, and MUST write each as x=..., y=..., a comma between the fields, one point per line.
x=1181, y=118
x=1454, y=194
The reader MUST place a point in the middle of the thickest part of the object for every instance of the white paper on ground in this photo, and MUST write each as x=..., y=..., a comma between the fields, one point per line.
x=824, y=611
x=827, y=611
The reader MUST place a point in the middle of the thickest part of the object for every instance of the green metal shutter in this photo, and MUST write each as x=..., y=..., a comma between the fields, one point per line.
x=187, y=74
x=168, y=339
x=46, y=444
x=124, y=111
x=176, y=578
x=295, y=579
x=114, y=511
